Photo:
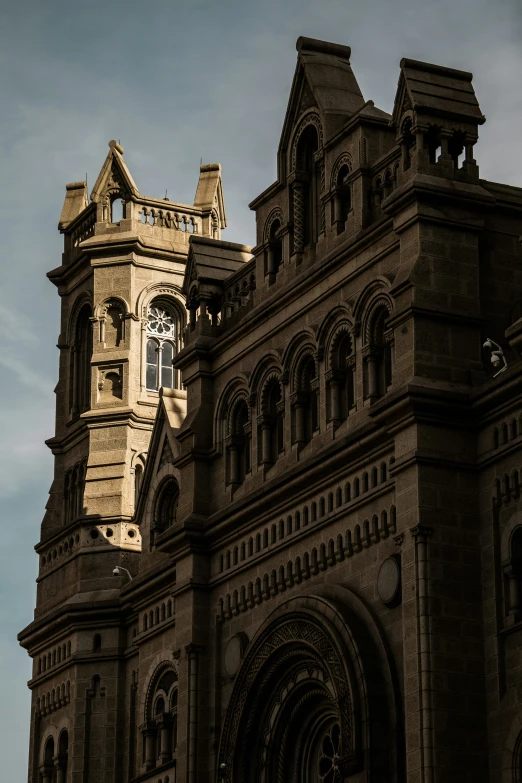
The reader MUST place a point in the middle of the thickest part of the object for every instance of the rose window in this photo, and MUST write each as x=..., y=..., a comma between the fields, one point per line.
x=329, y=755
x=161, y=322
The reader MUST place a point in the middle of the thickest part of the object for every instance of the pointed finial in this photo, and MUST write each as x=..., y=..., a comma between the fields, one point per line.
x=166, y=197
x=201, y=161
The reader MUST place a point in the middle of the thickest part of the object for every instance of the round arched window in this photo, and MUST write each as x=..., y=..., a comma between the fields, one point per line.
x=162, y=346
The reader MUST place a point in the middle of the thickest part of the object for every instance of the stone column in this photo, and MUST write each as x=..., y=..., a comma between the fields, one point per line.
x=149, y=731
x=46, y=772
x=421, y=534
x=164, y=724
x=334, y=381
x=266, y=439
x=299, y=403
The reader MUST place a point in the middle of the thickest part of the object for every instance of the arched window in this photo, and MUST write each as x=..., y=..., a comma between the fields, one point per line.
x=138, y=477
x=80, y=363
x=166, y=507
x=163, y=335
x=342, y=392
x=160, y=729
x=309, y=180
x=239, y=444
x=272, y=424
x=379, y=358
x=275, y=250
x=342, y=198
x=306, y=402
x=47, y=769
x=117, y=210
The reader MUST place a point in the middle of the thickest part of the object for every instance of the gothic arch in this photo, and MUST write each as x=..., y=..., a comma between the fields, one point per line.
x=80, y=302
x=311, y=118
x=275, y=214
x=235, y=390
x=317, y=661
x=101, y=309
x=378, y=287
x=155, y=671
x=344, y=159
x=342, y=329
x=380, y=301
x=304, y=342
x=273, y=375
x=269, y=365
x=168, y=291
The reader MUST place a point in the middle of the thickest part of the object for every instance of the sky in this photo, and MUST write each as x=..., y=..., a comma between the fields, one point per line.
x=175, y=82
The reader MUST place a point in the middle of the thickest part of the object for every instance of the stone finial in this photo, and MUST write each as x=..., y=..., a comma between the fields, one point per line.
x=115, y=145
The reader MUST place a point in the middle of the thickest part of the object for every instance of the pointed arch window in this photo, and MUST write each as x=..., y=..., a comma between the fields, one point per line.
x=163, y=336
x=80, y=363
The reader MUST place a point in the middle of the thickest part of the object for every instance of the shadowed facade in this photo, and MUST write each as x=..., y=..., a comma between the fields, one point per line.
x=302, y=455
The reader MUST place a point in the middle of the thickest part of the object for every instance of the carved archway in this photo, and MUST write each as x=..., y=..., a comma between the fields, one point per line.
x=294, y=713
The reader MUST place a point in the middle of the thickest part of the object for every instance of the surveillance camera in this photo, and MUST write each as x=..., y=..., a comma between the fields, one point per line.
x=495, y=360
x=116, y=571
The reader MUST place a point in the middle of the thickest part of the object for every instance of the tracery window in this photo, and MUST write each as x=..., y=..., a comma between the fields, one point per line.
x=163, y=334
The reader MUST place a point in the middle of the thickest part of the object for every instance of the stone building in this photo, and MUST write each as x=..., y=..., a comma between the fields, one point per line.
x=298, y=459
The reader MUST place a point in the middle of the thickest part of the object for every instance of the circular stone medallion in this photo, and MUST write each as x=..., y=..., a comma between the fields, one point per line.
x=233, y=655
x=389, y=580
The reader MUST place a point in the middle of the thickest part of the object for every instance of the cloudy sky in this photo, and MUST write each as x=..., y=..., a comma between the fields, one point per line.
x=175, y=82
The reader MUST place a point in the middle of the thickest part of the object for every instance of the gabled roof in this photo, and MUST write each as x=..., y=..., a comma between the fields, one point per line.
x=213, y=260
x=209, y=193
x=323, y=78
x=114, y=170
x=433, y=89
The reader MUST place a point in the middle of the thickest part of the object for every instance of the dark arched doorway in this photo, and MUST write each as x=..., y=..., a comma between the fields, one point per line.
x=314, y=700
